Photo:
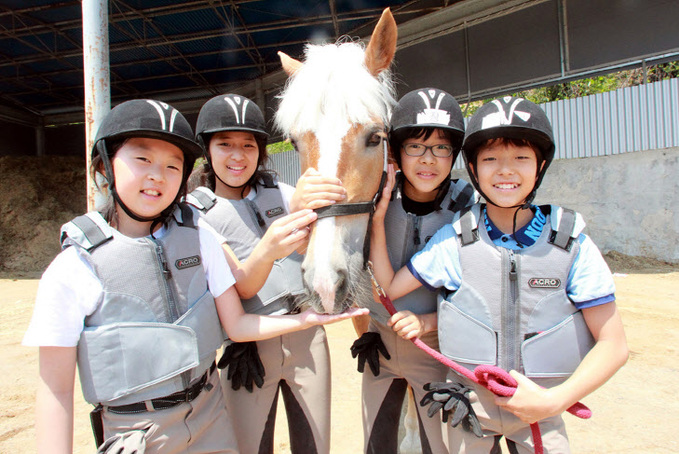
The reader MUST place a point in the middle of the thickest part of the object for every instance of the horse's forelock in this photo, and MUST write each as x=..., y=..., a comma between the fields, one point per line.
x=334, y=85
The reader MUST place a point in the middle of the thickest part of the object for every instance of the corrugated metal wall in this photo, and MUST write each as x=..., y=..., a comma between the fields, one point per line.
x=645, y=117
x=287, y=166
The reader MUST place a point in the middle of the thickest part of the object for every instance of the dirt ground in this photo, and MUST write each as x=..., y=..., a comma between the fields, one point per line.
x=636, y=411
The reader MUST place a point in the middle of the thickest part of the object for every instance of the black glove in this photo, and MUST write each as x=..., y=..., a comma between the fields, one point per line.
x=244, y=365
x=452, y=398
x=368, y=348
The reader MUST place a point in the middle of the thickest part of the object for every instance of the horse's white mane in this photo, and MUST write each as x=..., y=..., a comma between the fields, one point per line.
x=335, y=85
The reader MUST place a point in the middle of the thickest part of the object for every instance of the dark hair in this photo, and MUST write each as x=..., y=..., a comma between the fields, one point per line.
x=204, y=175
x=397, y=138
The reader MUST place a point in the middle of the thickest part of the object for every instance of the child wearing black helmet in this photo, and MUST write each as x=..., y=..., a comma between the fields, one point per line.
x=426, y=132
x=247, y=205
x=135, y=300
x=522, y=288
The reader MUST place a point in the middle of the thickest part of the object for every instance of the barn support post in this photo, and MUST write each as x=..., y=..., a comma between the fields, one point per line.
x=97, y=80
x=40, y=138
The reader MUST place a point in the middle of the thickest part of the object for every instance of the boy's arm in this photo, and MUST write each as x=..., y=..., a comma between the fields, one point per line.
x=242, y=327
x=281, y=239
x=54, y=400
x=396, y=284
x=532, y=403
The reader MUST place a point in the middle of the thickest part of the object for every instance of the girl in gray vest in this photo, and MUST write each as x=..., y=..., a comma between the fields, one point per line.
x=426, y=133
x=135, y=300
x=245, y=204
x=521, y=288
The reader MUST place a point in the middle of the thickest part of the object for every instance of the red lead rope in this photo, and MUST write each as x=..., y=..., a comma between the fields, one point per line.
x=493, y=378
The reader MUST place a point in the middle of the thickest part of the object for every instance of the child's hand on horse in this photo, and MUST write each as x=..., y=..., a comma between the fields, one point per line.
x=287, y=234
x=315, y=191
x=310, y=317
x=383, y=202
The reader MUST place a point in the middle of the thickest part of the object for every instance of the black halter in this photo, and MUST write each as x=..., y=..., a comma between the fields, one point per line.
x=346, y=209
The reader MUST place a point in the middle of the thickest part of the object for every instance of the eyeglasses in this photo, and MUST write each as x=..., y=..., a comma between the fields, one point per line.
x=419, y=149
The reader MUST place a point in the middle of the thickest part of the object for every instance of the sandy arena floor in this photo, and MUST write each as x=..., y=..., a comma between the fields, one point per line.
x=635, y=412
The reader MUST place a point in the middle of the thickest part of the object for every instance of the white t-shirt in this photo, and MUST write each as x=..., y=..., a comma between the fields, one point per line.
x=69, y=291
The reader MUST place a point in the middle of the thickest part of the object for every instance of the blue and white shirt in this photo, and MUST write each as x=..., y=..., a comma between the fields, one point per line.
x=590, y=282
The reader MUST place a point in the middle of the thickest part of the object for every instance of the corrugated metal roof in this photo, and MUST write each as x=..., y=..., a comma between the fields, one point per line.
x=171, y=50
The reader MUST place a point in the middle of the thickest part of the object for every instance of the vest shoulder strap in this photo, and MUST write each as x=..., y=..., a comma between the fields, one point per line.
x=566, y=225
x=466, y=224
x=186, y=215
x=267, y=180
x=88, y=231
x=202, y=198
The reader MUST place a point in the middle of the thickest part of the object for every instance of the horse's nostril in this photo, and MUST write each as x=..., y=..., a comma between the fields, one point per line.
x=342, y=287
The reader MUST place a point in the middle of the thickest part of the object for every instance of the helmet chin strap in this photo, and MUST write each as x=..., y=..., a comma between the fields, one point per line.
x=521, y=206
x=110, y=176
x=206, y=154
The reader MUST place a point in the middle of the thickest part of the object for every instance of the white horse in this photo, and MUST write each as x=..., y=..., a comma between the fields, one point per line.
x=335, y=109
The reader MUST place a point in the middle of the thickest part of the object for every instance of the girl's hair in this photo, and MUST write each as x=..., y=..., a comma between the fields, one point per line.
x=204, y=175
x=396, y=139
x=108, y=210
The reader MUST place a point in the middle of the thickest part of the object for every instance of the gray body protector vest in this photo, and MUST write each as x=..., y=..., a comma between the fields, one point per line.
x=243, y=224
x=408, y=233
x=527, y=322
x=156, y=328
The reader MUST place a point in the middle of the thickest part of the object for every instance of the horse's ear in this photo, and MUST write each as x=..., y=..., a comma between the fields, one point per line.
x=382, y=47
x=290, y=65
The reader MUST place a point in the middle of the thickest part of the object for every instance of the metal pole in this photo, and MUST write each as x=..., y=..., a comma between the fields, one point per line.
x=97, y=80
x=40, y=138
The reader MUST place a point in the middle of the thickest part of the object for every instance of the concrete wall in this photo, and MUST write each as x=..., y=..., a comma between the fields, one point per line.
x=630, y=201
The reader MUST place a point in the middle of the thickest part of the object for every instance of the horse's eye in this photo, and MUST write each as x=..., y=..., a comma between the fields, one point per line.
x=374, y=140
x=293, y=142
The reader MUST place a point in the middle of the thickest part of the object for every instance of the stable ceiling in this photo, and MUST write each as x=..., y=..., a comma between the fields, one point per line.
x=170, y=50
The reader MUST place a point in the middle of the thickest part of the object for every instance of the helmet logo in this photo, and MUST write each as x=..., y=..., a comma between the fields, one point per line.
x=240, y=118
x=167, y=124
x=434, y=115
x=500, y=118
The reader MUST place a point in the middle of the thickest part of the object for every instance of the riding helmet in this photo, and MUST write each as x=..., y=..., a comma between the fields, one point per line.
x=151, y=119
x=144, y=118
x=426, y=108
x=230, y=113
x=512, y=118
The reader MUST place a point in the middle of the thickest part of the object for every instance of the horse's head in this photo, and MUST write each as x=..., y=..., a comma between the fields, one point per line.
x=335, y=108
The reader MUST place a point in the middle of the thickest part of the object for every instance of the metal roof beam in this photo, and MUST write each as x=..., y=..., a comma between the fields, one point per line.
x=250, y=49
x=72, y=24
x=263, y=27
x=193, y=74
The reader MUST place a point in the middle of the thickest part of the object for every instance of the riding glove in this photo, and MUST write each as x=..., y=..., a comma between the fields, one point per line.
x=368, y=348
x=245, y=367
x=452, y=398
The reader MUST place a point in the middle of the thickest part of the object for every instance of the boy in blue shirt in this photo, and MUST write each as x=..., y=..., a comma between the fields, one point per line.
x=521, y=287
